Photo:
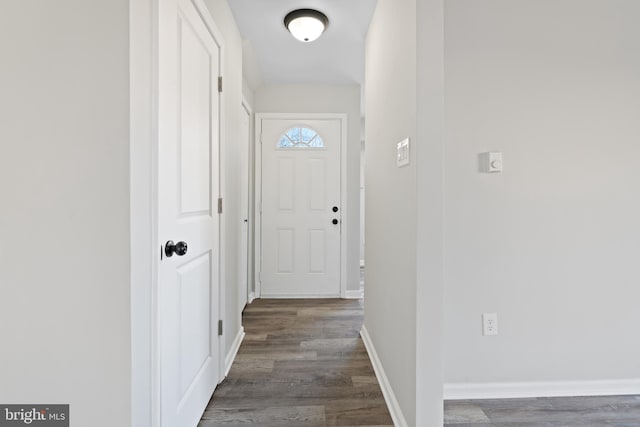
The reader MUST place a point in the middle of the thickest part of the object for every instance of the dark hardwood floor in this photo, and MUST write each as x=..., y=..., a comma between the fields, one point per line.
x=599, y=411
x=302, y=363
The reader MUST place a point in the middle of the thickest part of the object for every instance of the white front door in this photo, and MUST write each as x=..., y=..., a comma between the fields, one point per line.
x=188, y=183
x=301, y=207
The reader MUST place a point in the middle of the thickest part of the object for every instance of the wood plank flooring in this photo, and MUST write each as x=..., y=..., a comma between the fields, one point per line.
x=600, y=411
x=302, y=363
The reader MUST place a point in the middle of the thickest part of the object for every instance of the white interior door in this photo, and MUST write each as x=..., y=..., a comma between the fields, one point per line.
x=301, y=208
x=188, y=185
x=243, y=246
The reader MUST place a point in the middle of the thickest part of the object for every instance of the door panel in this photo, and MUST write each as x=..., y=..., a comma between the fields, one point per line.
x=194, y=339
x=286, y=181
x=188, y=145
x=194, y=110
x=317, y=184
x=285, y=250
x=300, y=246
x=317, y=251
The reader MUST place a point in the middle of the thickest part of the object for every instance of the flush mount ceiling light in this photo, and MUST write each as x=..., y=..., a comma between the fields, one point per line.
x=306, y=25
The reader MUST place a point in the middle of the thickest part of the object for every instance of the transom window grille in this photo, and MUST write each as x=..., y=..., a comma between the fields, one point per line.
x=300, y=137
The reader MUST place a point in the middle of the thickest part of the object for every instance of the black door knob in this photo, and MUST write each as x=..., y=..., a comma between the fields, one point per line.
x=171, y=248
x=334, y=221
x=335, y=209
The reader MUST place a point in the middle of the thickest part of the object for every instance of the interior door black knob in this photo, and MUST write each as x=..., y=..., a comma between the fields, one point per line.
x=335, y=209
x=171, y=248
x=334, y=221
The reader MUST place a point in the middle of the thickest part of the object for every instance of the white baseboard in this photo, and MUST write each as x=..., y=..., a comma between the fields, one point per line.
x=359, y=294
x=455, y=391
x=387, y=391
x=298, y=296
x=228, y=361
x=252, y=296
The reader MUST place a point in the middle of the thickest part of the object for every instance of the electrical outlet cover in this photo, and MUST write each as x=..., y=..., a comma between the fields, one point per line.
x=490, y=324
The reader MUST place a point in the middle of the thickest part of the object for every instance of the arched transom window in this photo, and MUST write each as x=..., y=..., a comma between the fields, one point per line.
x=300, y=137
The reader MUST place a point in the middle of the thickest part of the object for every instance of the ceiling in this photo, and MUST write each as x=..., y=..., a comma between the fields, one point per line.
x=272, y=56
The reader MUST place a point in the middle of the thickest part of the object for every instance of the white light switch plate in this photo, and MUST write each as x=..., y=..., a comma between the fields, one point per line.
x=402, y=158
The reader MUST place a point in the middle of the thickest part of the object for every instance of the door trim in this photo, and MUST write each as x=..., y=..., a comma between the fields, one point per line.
x=342, y=117
x=251, y=293
x=144, y=243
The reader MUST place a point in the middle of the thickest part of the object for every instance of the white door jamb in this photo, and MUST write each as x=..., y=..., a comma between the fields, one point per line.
x=251, y=279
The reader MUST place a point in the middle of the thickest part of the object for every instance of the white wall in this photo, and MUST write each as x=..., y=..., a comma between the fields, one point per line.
x=404, y=206
x=554, y=86
x=64, y=217
x=250, y=69
x=429, y=153
x=552, y=243
x=390, y=228
x=327, y=99
x=248, y=92
x=232, y=218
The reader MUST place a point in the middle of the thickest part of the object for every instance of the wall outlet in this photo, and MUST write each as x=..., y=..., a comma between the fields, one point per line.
x=490, y=324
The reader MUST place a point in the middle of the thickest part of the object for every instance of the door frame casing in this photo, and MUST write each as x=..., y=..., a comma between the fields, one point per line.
x=244, y=191
x=344, y=223
x=145, y=243
x=251, y=293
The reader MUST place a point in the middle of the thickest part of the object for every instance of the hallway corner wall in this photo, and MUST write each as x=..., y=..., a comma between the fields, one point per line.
x=431, y=210
x=405, y=225
x=391, y=197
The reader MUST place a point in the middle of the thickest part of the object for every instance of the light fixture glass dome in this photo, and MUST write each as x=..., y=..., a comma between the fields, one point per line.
x=306, y=25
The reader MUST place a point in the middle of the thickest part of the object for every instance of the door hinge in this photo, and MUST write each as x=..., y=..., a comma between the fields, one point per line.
x=219, y=327
x=219, y=205
x=220, y=84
